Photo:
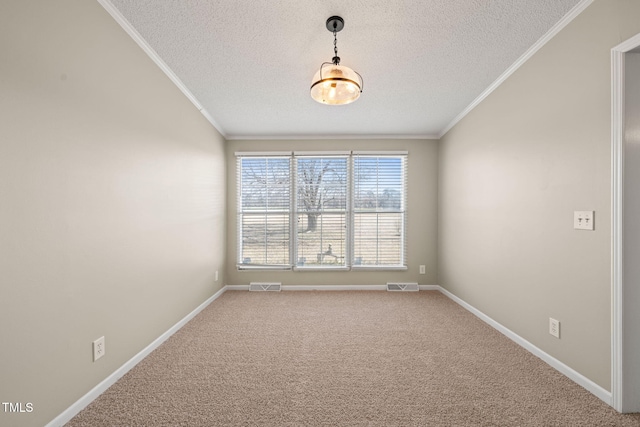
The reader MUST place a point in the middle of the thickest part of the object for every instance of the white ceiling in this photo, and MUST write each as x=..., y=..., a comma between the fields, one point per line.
x=249, y=64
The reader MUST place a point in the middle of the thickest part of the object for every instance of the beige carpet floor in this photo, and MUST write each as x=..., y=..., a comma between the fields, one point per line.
x=343, y=359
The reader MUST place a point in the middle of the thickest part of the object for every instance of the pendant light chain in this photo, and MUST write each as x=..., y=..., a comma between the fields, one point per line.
x=336, y=58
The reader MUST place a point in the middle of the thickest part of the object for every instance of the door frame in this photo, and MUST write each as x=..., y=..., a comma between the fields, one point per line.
x=617, y=225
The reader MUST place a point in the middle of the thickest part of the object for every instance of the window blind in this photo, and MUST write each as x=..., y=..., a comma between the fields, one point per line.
x=379, y=213
x=315, y=210
x=264, y=210
x=321, y=211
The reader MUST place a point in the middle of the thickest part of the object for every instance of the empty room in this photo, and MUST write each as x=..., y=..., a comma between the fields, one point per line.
x=218, y=212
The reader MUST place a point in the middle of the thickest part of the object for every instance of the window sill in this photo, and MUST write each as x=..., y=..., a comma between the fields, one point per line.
x=379, y=268
x=316, y=269
x=263, y=267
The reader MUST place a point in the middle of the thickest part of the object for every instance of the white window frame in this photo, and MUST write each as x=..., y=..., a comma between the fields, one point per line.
x=295, y=244
x=349, y=212
x=402, y=211
x=240, y=213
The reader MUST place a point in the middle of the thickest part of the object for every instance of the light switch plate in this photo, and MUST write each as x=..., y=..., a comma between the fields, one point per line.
x=583, y=220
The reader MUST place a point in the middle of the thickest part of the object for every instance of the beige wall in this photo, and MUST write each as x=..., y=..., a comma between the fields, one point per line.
x=112, y=193
x=421, y=214
x=512, y=173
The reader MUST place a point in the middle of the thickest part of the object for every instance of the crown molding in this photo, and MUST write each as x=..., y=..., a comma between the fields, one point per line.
x=324, y=137
x=570, y=16
x=133, y=33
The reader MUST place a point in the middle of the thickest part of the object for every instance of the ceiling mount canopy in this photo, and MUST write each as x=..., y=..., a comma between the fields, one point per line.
x=335, y=84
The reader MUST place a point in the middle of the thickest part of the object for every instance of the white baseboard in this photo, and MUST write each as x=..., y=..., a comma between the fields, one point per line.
x=318, y=288
x=85, y=400
x=332, y=287
x=576, y=377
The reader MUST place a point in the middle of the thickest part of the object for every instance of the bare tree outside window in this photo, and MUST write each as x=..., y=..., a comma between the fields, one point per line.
x=322, y=208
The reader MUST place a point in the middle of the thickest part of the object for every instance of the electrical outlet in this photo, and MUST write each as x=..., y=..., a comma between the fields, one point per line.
x=216, y=275
x=583, y=220
x=423, y=269
x=98, y=348
x=554, y=327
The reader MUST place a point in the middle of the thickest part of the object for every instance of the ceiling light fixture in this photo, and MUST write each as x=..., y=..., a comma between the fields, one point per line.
x=335, y=84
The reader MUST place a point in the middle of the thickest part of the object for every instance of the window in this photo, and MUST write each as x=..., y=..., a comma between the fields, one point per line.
x=264, y=211
x=321, y=210
x=378, y=210
x=321, y=236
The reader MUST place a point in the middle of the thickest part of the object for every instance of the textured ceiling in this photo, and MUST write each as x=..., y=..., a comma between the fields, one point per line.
x=249, y=64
